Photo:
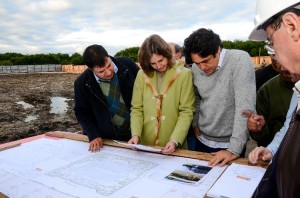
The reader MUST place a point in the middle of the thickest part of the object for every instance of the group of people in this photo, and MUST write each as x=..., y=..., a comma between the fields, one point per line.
x=160, y=101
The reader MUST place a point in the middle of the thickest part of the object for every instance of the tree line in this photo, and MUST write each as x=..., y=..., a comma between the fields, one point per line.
x=253, y=48
x=40, y=59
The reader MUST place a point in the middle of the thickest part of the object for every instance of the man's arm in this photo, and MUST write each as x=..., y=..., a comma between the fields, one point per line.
x=267, y=153
x=273, y=146
x=245, y=98
x=83, y=111
x=262, y=106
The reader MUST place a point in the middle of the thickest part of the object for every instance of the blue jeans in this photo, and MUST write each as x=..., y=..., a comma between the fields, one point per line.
x=203, y=148
x=191, y=140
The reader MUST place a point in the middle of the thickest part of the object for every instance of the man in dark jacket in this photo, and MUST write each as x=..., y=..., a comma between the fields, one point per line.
x=103, y=95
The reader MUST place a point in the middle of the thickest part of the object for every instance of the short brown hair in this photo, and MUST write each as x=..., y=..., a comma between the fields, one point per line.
x=95, y=55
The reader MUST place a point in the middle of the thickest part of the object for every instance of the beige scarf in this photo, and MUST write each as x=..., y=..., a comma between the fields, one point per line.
x=159, y=98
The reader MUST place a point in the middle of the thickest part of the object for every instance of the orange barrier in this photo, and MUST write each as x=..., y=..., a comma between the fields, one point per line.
x=260, y=60
x=73, y=68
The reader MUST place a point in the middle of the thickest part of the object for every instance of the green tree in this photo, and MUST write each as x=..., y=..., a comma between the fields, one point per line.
x=19, y=60
x=5, y=62
x=64, y=59
x=131, y=52
x=253, y=48
x=76, y=59
x=11, y=58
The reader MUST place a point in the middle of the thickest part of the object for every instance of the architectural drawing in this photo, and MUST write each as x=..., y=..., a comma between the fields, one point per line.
x=65, y=168
x=116, y=171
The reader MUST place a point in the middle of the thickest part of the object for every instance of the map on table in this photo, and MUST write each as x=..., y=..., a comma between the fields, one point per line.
x=65, y=168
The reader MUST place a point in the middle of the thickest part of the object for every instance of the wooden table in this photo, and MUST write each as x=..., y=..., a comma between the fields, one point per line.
x=80, y=137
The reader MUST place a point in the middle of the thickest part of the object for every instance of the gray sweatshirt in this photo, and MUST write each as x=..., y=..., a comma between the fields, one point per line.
x=221, y=97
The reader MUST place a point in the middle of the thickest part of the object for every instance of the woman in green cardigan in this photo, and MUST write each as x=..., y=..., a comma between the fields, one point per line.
x=163, y=98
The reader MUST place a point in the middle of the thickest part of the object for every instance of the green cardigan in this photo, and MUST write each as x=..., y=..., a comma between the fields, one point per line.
x=272, y=102
x=177, y=107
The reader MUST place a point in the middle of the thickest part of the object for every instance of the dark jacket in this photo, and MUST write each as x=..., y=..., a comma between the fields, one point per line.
x=272, y=101
x=263, y=75
x=91, y=109
x=282, y=177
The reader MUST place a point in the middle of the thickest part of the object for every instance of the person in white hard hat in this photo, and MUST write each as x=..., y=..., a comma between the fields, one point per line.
x=278, y=23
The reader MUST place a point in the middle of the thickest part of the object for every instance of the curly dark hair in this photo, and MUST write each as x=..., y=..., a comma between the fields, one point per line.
x=154, y=44
x=203, y=42
x=95, y=55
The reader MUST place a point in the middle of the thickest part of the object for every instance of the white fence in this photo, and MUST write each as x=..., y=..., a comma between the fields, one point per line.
x=30, y=68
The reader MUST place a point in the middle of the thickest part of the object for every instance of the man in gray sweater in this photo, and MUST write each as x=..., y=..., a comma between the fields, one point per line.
x=224, y=83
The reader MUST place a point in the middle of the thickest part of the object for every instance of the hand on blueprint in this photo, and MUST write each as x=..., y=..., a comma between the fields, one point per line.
x=169, y=148
x=255, y=122
x=134, y=140
x=96, y=144
x=221, y=157
x=259, y=153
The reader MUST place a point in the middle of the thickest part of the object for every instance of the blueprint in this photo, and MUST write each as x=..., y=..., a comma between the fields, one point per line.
x=65, y=168
x=102, y=173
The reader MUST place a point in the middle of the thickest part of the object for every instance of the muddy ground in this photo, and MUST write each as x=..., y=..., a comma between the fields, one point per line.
x=25, y=104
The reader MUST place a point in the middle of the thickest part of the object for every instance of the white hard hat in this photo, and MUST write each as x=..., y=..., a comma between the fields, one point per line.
x=265, y=10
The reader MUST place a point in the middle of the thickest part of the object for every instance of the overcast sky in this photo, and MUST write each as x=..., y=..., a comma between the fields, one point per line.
x=69, y=26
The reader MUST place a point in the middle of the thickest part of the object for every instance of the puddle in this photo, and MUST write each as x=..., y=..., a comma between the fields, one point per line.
x=59, y=105
x=25, y=105
x=30, y=118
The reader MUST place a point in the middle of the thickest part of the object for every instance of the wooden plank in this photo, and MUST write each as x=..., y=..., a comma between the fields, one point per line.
x=8, y=146
x=68, y=135
x=178, y=152
x=3, y=195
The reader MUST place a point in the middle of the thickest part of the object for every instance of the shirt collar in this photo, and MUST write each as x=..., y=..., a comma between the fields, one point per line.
x=297, y=91
x=105, y=80
x=222, y=55
x=297, y=87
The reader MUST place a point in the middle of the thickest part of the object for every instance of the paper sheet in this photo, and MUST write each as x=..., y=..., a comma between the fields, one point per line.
x=237, y=181
x=141, y=147
x=65, y=168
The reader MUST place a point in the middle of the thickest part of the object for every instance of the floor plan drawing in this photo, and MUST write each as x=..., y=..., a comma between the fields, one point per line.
x=116, y=171
x=65, y=168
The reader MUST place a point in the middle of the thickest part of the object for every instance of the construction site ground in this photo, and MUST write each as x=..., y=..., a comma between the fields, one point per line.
x=26, y=107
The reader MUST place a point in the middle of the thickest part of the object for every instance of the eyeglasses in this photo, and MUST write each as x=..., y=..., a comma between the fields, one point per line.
x=276, y=25
x=269, y=49
x=269, y=42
